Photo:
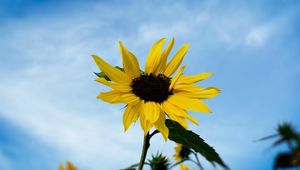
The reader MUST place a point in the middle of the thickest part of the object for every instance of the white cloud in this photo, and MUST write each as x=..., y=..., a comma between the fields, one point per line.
x=258, y=36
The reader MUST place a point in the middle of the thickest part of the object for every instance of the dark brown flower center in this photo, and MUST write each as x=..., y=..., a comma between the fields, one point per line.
x=150, y=87
x=184, y=152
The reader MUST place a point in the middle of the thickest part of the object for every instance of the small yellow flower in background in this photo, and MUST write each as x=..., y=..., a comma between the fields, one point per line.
x=69, y=166
x=181, y=152
x=155, y=93
x=184, y=167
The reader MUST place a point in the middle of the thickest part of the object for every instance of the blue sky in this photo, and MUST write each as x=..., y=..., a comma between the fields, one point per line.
x=49, y=113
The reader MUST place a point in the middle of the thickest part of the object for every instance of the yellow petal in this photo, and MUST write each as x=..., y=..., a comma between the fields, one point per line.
x=178, y=119
x=175, y=113
x=163, y=63
x=184, y=167
x=110, y=97
x=206, y=93
x=121, y=87
x=104, y=81
x=130, y=63
x=114, y=74
x=187, y=103
x=116, y=86
x=193, y=88
x=61, y=167
x=145, y=124
x=174, y=79
x=194, y=78
x=154, y=56
x=192, y=119
x=70, y=166
x=151, y=111
x=179, y=112
x=167, y=106
x=114, y=97
x=176, y=60
x=161, y=126
x=130, y=98
x=131, y=114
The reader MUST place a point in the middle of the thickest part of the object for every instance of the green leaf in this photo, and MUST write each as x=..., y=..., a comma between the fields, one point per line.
x=179, y=134
x=267, y=138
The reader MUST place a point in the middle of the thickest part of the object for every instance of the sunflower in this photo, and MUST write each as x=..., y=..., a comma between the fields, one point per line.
x=154, y=93
x=69, y=166
x=181, y=152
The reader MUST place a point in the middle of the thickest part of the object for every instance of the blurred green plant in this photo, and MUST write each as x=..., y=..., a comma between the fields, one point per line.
x=286, y=134
x=159, y=162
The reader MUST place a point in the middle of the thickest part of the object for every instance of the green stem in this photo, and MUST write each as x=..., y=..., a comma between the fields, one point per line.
x=153, y=133
x=146, y=145
x=198, y=161
x=177, y=163
x=135, y=165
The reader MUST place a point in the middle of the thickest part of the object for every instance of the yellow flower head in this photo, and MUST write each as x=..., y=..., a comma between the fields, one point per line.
x=155, y=93
x=181, y=152
x=69, y=166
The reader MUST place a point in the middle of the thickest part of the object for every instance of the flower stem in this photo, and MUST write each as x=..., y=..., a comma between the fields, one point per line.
x=177, y=163
x=146, y=145
x=198, y=161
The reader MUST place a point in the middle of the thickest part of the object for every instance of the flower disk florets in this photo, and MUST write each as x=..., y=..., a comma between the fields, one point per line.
x=150, y=87
x=184, y=152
